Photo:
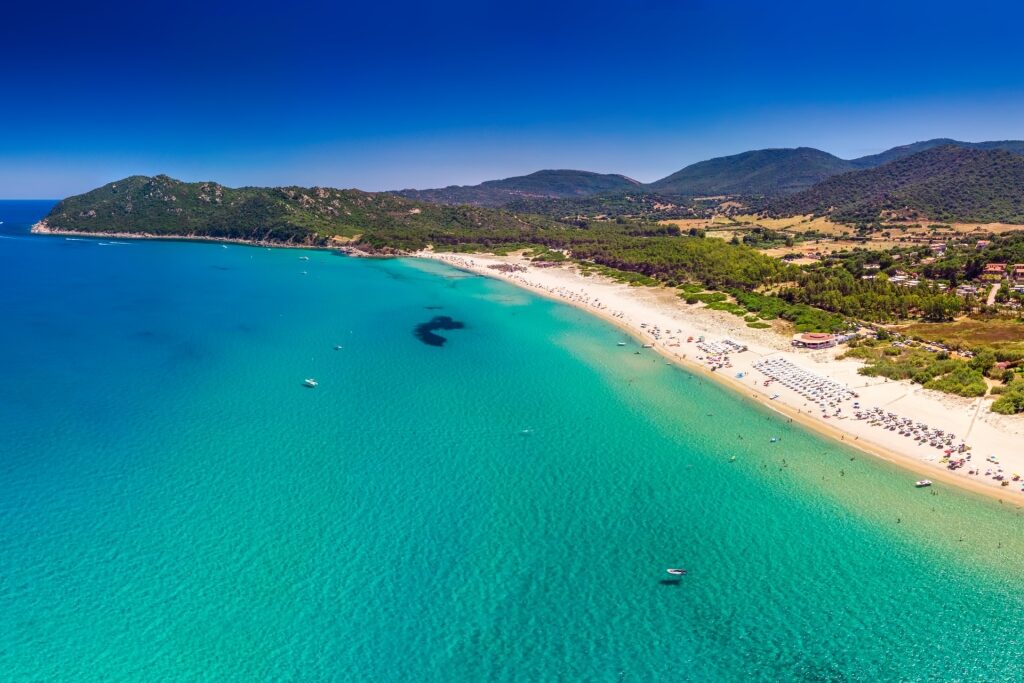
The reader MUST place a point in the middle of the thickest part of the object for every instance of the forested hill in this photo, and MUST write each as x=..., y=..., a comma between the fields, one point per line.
x=164, y=206
x=943, y=184
x=760, y=172
x=551, y=184
x=873, y=160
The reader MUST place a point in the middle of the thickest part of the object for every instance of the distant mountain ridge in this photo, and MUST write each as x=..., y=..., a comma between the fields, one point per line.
x=764, y=172
x=551, y=184
x=873, y=160
x=949, y=183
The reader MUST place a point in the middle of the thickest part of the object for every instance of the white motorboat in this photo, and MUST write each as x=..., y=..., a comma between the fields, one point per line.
x=676, y=572
x=922, y=483
x=311, y=383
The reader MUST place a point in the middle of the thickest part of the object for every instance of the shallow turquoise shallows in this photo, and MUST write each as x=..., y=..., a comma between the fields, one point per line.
x=176, y=505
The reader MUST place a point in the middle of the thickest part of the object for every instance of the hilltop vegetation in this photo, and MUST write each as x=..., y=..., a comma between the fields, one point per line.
x=941, y=184
x=873, y=160
x=557, y=184
x=290, y=215
x=760, y=172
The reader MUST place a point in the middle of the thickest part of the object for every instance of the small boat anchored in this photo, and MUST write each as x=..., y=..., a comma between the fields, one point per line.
x=311, y=383
x=621, y=344
x=676, y=572
x=922, y=483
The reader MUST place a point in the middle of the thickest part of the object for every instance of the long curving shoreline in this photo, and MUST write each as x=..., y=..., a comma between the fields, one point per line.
x=42, y=228
x=639, y=310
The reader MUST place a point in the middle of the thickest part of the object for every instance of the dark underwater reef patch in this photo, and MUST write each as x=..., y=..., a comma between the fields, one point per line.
x=425, y=331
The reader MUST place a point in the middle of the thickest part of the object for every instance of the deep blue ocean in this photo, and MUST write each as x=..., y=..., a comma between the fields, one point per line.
x=176, y=506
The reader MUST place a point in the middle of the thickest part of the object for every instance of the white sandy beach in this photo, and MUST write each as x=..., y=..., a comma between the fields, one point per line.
x=660, y=318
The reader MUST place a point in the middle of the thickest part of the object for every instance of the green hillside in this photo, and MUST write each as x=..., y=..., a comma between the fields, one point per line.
x=553, y=184
x=946, y=183
x=161, y=205
x=761, y=172
x=871, y=161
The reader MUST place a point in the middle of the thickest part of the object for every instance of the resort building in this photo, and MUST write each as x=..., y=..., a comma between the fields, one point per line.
x=1017, y=273
x=994, y=271
x=964, y=290
x=814, y=340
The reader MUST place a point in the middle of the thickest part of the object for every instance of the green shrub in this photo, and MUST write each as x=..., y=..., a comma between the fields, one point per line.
x=1011, y=401
x=962, y=381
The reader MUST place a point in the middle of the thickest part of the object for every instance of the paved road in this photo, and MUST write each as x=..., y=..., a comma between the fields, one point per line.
x=992, y=294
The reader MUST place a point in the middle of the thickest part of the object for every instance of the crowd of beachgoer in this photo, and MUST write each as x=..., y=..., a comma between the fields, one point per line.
x=954, y=457
x=918, y=431
x=724, y=347
x=717, y=354
x=826, y=393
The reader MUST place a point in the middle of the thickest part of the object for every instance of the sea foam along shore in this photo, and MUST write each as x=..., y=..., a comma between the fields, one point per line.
x=658, y=317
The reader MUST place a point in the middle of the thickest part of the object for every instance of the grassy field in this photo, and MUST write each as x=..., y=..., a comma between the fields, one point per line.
x=999, y=333
x=685, y=224
x=796, y=224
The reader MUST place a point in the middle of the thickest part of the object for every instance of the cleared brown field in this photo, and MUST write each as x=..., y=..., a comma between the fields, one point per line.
x=796, y=224
x=922, y=228
x=826, y=247
x=687, y=223
x=1000, y=333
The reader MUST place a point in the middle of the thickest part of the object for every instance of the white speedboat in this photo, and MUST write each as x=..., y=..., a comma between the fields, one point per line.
x=311, y=383
x=622, y=343
x=676, y=572
x=921, y=483
x=303, y=258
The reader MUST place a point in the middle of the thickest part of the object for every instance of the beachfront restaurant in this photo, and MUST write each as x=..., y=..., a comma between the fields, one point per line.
x=814, y=340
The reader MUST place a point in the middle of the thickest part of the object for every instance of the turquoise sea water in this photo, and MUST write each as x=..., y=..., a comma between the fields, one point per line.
x=174, y=505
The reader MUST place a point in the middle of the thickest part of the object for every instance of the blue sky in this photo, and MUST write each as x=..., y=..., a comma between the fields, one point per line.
x=389, y=95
